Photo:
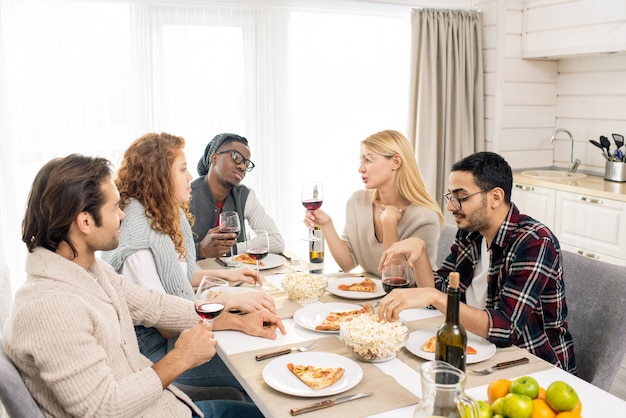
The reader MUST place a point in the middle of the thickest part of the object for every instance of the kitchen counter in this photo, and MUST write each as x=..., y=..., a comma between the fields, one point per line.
x=591, y=185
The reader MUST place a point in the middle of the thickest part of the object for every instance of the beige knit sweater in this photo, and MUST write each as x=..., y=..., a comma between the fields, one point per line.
x=71, y=336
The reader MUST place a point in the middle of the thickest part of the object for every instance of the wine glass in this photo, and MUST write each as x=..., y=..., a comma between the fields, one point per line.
x=257, y=246
x=229, y=223
x=312, y=197
x=210, y=298
x=395, y=275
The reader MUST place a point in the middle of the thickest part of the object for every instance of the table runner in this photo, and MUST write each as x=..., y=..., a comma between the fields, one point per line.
x=474, y=379
x=388, y=394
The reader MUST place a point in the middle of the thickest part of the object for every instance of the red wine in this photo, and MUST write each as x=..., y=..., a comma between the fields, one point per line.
x=312, y=204
x=390, y=283
x=229, y=230
x=210, y=310
x=257, y=253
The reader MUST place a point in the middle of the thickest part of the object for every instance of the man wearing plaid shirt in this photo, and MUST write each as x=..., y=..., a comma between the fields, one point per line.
x=510, y=266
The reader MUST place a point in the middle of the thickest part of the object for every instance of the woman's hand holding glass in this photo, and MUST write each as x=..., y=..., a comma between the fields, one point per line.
x=312, y=197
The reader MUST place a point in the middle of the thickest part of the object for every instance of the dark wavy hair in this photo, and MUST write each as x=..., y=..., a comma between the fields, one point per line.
x=490, y=170
x=63, y=188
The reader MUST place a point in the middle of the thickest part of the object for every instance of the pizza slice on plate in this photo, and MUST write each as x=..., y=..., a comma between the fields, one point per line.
x=245, y=258
x=429, y=346
x=316, y=377
x=367, y=285
x=332, y=320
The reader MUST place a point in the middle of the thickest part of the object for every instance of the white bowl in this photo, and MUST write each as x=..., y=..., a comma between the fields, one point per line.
x=303, y=287
x=371, y=340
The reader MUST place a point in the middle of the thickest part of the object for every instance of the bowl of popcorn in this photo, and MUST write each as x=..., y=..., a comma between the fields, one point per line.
x=303, y=287
x=372, y=340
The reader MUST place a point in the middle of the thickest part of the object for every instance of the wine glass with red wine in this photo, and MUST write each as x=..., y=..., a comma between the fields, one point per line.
x=395, y=275
x=229, y=224
x=312, y=198
x=257, y=246
x=210, y=298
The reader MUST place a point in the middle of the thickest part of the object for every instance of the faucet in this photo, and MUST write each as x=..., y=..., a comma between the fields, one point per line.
x=573, y=165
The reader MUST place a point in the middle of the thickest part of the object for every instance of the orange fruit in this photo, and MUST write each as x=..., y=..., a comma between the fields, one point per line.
x=579, y=409
x=567, y=414
x=541, y=409
x=498, y=389
x=542, y=393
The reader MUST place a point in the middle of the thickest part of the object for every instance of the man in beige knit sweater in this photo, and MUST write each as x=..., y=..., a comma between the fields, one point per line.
x=71, y=330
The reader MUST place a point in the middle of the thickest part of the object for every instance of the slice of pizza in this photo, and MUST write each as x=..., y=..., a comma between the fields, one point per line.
x=429, y=346
x=367, y=285
x=245, y=258
x=316, y=377
x=332, y=320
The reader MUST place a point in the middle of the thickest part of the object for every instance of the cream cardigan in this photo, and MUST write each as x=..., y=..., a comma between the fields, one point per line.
x=71, y=336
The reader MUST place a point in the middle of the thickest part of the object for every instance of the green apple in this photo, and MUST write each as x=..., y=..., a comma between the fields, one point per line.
x=497, y=407
x=525, y=385
x=561, y=396
x=484, y=409
x=518, y=406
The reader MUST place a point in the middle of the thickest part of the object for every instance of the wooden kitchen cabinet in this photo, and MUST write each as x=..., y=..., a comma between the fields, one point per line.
x=534, y=201
x=561, y=28
x=591, y=226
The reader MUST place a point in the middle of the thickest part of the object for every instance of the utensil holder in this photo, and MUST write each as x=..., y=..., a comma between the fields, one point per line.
x=615, y=171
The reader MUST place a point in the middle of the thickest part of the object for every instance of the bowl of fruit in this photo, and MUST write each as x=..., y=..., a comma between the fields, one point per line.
x=524, y=397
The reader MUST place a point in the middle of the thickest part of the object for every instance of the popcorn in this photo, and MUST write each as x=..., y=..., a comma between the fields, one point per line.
x=371, y=339
x=304, y=287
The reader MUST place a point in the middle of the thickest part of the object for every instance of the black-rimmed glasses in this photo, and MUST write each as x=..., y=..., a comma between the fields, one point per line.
x=238, y=158
x=456, y=201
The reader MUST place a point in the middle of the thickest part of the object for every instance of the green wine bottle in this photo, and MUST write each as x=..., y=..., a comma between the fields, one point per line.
x=451, y=344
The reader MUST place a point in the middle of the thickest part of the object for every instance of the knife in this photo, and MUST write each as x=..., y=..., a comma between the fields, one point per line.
x=327, y=404
x=220, y=262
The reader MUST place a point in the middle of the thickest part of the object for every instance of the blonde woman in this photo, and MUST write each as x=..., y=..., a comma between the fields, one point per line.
x=394, y=205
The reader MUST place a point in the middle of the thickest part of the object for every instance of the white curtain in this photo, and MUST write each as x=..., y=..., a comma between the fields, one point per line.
x=303, y=81
x=446, y=111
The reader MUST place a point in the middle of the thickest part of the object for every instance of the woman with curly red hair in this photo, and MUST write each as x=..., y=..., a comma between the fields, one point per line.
x=157, y=251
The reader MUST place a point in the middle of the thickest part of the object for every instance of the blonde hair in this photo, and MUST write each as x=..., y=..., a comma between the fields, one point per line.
x=409, y=182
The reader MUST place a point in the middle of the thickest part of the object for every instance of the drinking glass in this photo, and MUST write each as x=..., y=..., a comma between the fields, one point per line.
x=257, y=246
x=312, y=197
x=210, y=298
x=395, y=275
x=229, y=223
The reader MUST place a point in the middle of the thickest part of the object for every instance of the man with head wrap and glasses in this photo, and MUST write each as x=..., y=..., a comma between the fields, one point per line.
x=222, y=167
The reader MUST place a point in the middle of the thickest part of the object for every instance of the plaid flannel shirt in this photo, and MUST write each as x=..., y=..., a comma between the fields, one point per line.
x=525, y=294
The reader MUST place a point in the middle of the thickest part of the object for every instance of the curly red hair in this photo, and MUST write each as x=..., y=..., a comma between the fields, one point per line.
x=145, y=174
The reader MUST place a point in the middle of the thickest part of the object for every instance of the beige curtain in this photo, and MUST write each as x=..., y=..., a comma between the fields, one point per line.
x=446, y=109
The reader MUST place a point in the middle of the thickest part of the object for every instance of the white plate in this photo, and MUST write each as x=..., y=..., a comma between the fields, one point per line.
x=311, y=316
x=277, y=375
x=415, y=344
x=348, y=294
x=270, y=262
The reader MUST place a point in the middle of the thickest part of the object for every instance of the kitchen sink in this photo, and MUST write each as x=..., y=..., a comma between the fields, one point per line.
x=553, y=174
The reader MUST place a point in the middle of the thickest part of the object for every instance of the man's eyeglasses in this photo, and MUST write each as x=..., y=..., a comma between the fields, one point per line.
x=456, y=201
x=238, y=158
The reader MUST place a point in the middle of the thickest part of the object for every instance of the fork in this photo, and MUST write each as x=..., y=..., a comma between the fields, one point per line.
x=307, y=347
x=503, y=365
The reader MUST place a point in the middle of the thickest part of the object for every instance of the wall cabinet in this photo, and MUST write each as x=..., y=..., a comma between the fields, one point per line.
x=591, y=226
x=561, y=28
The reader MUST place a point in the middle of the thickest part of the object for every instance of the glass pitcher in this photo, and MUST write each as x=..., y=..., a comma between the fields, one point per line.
x=442, y=393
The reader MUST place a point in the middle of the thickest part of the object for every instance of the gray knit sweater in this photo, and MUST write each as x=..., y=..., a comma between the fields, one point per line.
x=136, y=233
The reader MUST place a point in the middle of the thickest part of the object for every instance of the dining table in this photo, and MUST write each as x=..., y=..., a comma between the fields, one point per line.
x=395, y=384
